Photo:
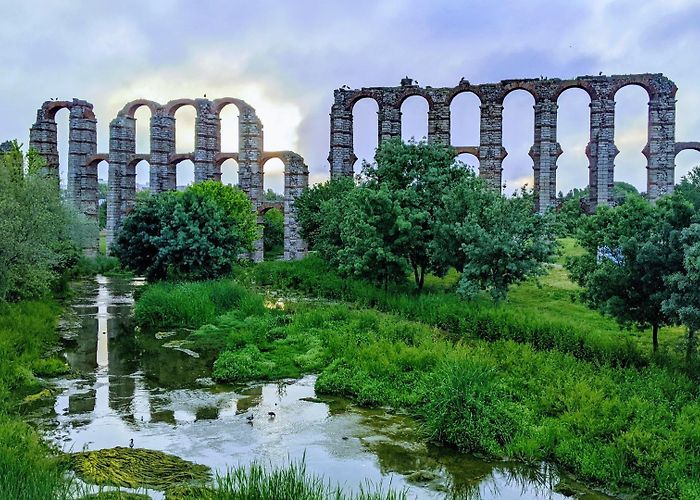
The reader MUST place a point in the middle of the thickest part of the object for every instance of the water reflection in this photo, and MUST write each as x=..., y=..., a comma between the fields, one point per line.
x=133, y=388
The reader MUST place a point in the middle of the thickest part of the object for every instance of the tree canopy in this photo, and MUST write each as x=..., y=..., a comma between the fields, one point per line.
x=194, y=234
x=417, y=210
x=40, y=236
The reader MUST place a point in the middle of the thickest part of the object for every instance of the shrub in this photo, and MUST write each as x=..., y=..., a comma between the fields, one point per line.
x=196, y=234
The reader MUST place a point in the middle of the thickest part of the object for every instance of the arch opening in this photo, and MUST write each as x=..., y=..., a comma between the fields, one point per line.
x=143, y=176
x=185, y=119
x=631, y=115
x=465, y=119
x=469, y=160
x=143, y=129
x=518, y=133
x=273, y=179
x=573, y=134
x=229, y=128
x=62, y=119
x=365, y=131
x=229, y=172
x=686, y=161
x=414, y=118
x=184, y=174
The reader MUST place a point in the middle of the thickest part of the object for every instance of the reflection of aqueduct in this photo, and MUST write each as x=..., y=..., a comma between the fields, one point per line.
x=661, y=148
x=207, y=158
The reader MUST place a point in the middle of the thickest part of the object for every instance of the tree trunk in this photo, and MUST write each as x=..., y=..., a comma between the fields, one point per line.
x=422, y=279
x=655, y=336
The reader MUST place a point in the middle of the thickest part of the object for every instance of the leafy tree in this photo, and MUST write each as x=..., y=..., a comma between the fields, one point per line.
x=273, y=230
x=309, y=212
x=630, y=249
x=369, y=228
x=415, y=175
x=40, y=237
x=683, y=302
x=194, y=234
x=270, y=195
x=494, y=241
x=689, y=187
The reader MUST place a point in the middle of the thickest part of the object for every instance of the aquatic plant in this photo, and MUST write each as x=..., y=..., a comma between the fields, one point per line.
x=293, y=481
x=134, y=468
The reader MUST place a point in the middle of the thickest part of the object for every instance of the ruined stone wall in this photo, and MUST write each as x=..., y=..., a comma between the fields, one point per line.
x=163, y=159
x=601, y=150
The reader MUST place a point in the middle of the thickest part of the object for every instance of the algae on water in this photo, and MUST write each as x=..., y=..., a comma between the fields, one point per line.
x=136, y=468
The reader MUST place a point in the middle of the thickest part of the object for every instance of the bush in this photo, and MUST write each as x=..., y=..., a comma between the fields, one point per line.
x=273, y=232
x=195, y=234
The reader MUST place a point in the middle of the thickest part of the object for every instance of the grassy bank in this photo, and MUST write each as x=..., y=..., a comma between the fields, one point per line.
x=540, y=314
x=28, y=468
x=600, y=410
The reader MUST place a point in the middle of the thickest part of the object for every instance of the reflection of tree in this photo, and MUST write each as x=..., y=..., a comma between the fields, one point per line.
x=251, y=397
x=464, y=476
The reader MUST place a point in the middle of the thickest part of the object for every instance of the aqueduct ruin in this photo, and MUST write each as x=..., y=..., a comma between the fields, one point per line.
x=660, y=151
x=163, y=159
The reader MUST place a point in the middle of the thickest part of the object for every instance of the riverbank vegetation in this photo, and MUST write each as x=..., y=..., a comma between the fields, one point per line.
x=624, y=426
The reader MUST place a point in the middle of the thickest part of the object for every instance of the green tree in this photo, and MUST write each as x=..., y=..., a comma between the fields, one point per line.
x=270, y=195
x=415, y=176
x=313, y=220
x=494, y=241
x=370, y=247
x=630, y=250
x=194, y=234
x=273, y=230
x=40, y=237
x=683, y=302
x=689, y=187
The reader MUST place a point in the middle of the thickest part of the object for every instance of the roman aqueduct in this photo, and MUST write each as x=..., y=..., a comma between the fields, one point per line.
x=207, y=157
x=660, y=151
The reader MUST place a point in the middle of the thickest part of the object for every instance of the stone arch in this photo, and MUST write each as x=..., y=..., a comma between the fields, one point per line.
x=461, y=89
x=469, y=156
x=296, y=179
x=413, y=92
x=217, y=105
x=363, y=94
x=636, y=82
x=130, y=108
x=574, y=84
x=682, y=167
x=510, y=87
x=171, y=107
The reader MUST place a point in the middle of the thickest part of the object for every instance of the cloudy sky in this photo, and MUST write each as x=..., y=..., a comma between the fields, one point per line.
x=285, y=59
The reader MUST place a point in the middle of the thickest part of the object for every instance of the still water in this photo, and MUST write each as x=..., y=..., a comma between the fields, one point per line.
x=133, y=386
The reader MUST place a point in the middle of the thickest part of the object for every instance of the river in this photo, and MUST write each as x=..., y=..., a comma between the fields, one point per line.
x=130, y=386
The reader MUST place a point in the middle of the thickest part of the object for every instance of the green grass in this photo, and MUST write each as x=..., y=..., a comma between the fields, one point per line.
x=190, y=304
x=257, y=482
x=28, y=468
x=542, y=313
x=631, y=429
